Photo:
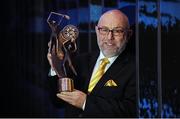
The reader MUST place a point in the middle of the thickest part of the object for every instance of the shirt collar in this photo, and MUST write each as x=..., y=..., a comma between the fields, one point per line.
x=111, y=59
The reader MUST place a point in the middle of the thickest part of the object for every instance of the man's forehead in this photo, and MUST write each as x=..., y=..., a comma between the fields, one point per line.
x=111, y=22
x=113, y=19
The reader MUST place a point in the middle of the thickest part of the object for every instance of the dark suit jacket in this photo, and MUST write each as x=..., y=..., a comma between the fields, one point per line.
x=104, y=101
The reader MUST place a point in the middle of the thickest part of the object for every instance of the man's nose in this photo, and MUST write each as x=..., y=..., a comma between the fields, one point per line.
x=110, y=35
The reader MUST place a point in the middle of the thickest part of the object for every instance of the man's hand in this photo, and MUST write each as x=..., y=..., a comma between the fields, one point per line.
x=54, y=61
x=75, y=98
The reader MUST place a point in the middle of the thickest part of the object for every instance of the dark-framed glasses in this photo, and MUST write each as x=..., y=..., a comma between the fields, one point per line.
x=118, y=31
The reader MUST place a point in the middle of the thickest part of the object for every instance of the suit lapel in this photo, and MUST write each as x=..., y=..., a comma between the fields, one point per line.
x=92, y=62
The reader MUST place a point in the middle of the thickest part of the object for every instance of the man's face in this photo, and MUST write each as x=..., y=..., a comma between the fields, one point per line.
x=111, y=34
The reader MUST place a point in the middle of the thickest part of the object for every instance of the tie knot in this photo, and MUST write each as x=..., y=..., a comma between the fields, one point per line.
x=104, y=62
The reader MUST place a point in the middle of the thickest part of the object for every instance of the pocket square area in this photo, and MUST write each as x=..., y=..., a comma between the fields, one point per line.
x=110, y=83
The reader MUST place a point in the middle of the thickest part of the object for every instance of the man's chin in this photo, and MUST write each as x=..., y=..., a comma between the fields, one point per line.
x=109, y=54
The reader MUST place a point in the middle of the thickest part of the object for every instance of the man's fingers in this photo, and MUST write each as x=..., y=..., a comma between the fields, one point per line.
x=49, y=44
x=68, y=94
x=49, y=57
x=68, y=98
x=64, y=97
x=75, y=97
x=57, y=43
x=53, y=49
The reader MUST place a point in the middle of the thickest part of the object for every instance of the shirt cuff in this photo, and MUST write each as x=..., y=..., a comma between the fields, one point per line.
x=83, y=107
x=52, y=72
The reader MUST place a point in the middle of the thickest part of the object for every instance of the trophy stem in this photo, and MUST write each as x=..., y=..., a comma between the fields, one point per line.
x=65, y=84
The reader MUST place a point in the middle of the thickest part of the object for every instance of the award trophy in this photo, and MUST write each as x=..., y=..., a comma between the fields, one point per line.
x=62, y=44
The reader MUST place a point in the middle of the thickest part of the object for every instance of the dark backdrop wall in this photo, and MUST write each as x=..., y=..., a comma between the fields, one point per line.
x=159, y=26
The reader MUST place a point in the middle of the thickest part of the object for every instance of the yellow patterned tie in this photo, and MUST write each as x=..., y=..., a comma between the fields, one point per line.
x=98, y=74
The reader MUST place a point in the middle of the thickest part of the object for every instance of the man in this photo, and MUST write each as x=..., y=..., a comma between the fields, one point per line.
x=109, y=91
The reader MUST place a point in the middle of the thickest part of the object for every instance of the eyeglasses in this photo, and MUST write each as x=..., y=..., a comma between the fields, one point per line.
x=118, y=31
